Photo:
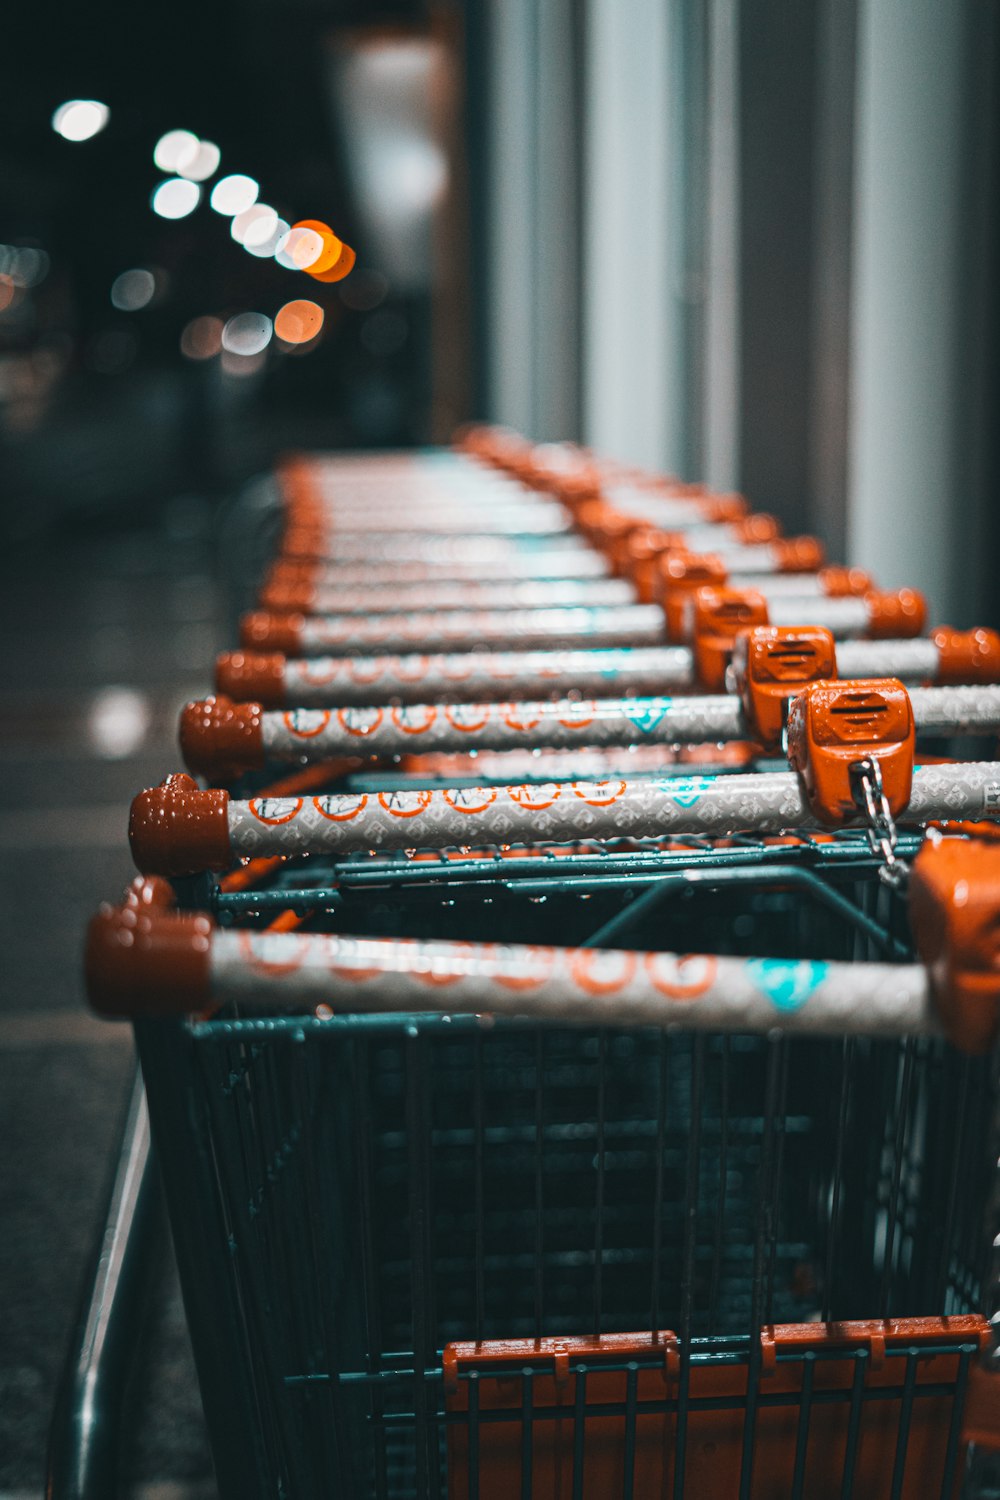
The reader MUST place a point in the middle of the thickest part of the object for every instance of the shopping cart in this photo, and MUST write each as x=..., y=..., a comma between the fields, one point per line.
x=729, y=1240
x=699, y=1203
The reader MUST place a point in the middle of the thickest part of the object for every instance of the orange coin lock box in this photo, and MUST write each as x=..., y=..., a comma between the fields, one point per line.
x=636, y=555
x=713, y=619
x=771, y=663
x=954, y=897
x=677, y=577
x=832, y=726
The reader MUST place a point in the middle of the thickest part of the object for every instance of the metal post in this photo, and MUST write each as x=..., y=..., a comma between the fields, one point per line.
x=84, y=1435
x=908, y=264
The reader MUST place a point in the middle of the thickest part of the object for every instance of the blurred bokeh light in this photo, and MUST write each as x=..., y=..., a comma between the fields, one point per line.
x=175, y=198
x=298, y=322
x=233, y=194
x=80, y=119
x=246, y=334
x=202, y=338
x=133, y=290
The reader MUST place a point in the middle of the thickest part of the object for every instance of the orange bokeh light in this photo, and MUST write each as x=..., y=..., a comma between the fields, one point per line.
x=298, y=322
x=202, y=338
x=342, y=266
x=330, y=253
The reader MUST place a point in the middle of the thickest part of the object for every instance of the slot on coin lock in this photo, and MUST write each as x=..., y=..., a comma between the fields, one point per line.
x=842, y=732
x=770, y=664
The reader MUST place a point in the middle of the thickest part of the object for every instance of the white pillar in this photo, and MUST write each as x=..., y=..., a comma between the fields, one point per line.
x=533, y=236
x=721, y=426
x=511, y=373
x=907, y=262
x=630, y=245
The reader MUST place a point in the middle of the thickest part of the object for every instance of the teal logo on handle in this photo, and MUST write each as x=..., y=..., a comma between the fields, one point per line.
x=787, y=984
x=685, y=790
x=610, y=663
x=645, y=713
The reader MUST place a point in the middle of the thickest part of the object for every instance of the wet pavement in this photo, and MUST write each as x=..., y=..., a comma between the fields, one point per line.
x=105, y=638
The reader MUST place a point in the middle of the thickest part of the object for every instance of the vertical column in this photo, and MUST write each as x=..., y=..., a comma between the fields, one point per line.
x=631, y=260
x=721, y=423
x=778, y=61
x=558, y=251
x=831, y=291
x=534, y=239
x=511, y=227
x=908, y=261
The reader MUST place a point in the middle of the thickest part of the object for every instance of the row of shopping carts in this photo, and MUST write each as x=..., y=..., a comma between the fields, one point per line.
x=568, y=1000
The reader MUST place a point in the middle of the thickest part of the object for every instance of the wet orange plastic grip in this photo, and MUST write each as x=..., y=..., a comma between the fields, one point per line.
x=246, y=675
x=773, y=662
x=177, y=829
x=263, y=631
x=954, y=900
x=288, y=596
x=143, y=958
x=603, y=525
x=720, y=509
x=844, y=583
x=751, y=530
x=575, y=490
x=798, y=554
x=220, y=739
x=305, y=542
x=896, y=614
x=294, y=570
x=833, y=725
x=967, y=655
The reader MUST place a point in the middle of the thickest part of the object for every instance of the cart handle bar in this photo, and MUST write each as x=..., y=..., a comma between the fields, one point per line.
x=948, y=657
x=143, y=957
x=222, y=739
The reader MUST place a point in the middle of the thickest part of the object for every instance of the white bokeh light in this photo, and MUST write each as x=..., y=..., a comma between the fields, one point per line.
x=254, y=225
x=264, y=249
x=204, y=163
x=133, y=290
x=231, y=195
x=118, y=721
x=175, y=150
x=299, y=249
x=247, y=334
x=79, y=119
x=175, y=198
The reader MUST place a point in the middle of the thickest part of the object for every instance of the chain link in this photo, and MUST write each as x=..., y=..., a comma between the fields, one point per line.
x=873, y=804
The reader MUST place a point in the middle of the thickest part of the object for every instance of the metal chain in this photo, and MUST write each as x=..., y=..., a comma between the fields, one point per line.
x=871, y=801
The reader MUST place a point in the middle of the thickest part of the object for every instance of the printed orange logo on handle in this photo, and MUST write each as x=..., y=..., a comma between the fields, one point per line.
x=602, y=971
x=266, y=809
x=306, y=723
x=599, y=793
x=683, y=976
x=405, y=804
x=347, y=806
